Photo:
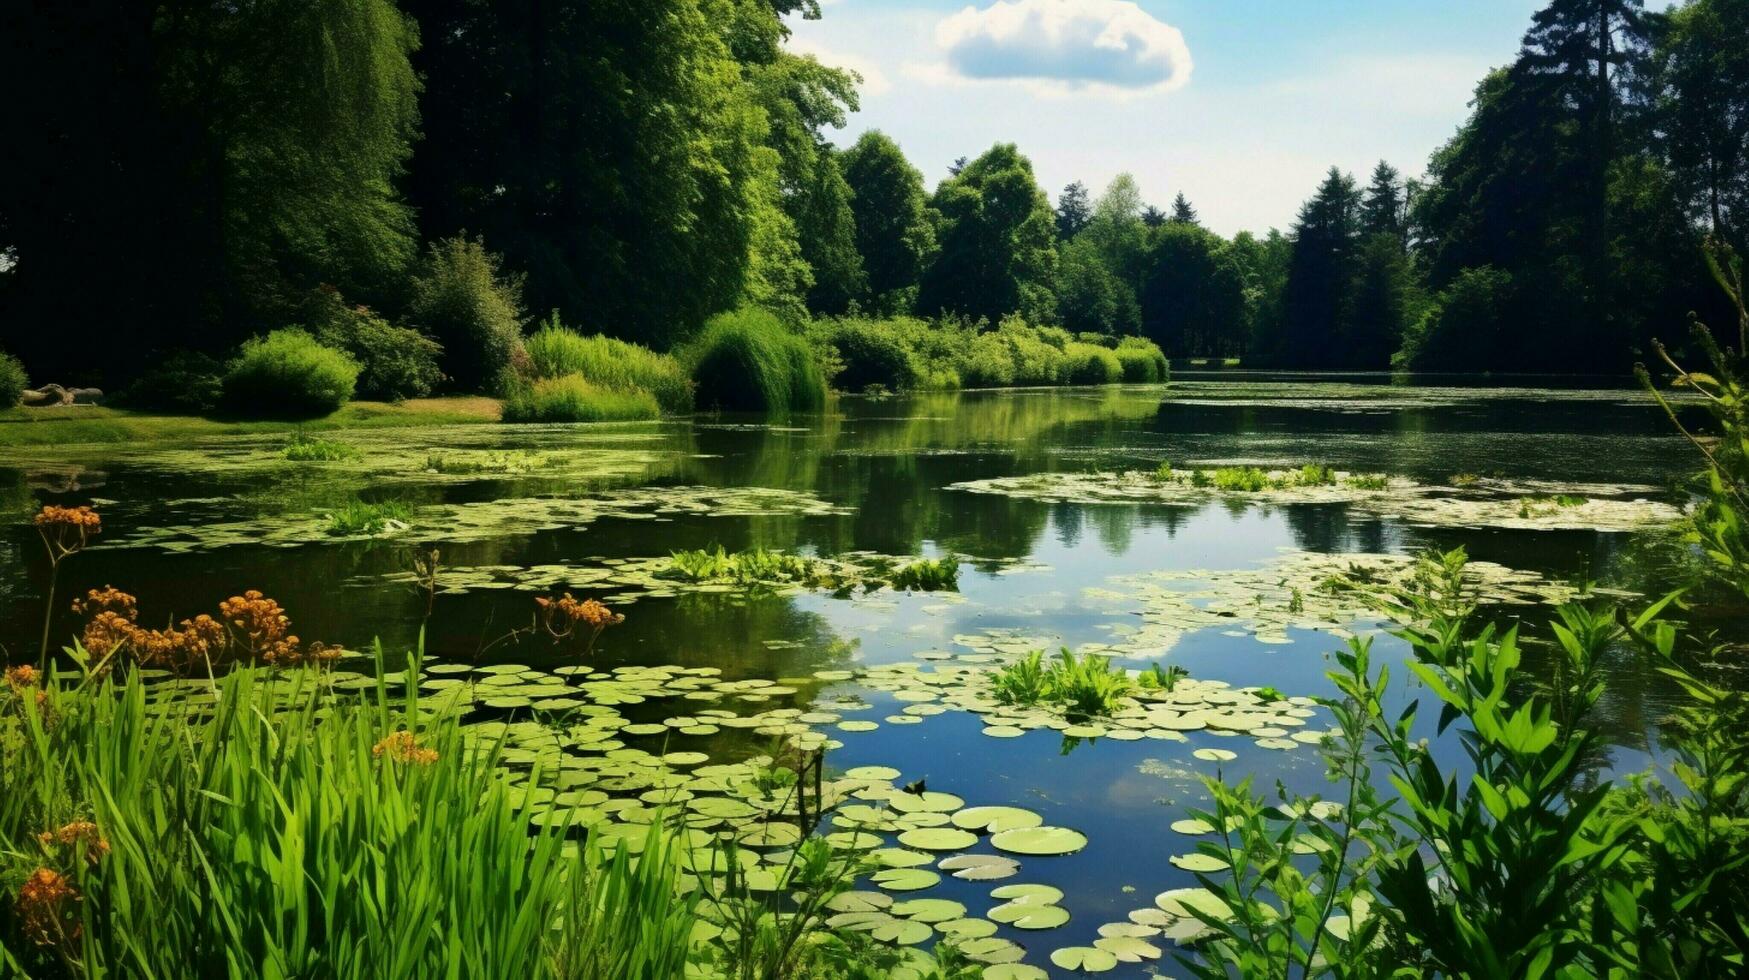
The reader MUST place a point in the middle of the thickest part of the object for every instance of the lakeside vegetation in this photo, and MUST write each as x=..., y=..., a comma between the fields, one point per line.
x=298, y=219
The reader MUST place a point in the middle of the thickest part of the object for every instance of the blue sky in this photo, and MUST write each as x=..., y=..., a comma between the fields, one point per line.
x=1240, y=104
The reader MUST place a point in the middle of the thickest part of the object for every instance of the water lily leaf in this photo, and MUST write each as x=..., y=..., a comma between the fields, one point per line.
x=1084, y=958
x=899, y=857
x=1128, y=949
x=980, y=867
x=1015, y=971
x=928, y=910
x=905, y=879
x=1215, y=755
x=938, y=839
x=857, y=901
x=1203, y=863
x=995, y=819
x=1040, y=840
x=902, y=932
x=992, y=950
x=881, y=773
x=927, y=802
x=1180, y=901
x=967, y=928
x=1028, y=894
x=1030, y=915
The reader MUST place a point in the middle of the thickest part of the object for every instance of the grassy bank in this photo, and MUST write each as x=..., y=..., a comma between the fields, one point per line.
x=95, y=424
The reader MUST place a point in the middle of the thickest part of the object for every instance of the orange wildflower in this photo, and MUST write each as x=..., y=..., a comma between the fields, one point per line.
x=563, y=616
x=22, y=678
x=107, y=599
x=47, y=910
x=404, y=748
x=76, y=833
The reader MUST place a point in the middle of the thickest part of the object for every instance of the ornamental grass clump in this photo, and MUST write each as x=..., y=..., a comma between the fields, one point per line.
x=573, y=399
x=555, y=351
x=748, y=361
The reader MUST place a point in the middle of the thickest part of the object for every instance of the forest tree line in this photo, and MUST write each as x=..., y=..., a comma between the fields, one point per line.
x=187, y=175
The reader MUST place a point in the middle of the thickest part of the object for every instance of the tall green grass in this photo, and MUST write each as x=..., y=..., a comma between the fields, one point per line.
x=747, y=360
x=555, y=351
x=572, y=399
x=253, y=830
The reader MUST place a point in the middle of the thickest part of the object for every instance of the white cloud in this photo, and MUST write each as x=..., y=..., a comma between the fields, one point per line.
x=874, y=80
x=1108, y=46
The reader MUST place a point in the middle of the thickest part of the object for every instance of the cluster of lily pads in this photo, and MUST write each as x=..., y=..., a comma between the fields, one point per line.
x=1297, y=590
x=490, y=519
x=1477, y=503
x=621, y=581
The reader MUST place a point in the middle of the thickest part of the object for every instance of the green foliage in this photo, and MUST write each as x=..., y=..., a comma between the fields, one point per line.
x=361, y=517
x=1242, y=479
x=1090, y=296
x=626, y=157
x=748, y=361
x=872, y=354
x=895, y=227
x=13, y=380
x=1194, y=298
x=1314, y=475
x=1142, y=361
x=555, y=351
x=395, y=363
x=998, y=242
x=269, y=828
x=473, y=311
x=226, y=159
x=755, y=566
x=1368, y=481
x=1023, y=682
x=288, y=375
x=303, y=449
x=182, y=382
x=1157, y=678
x=1086, y=687
x=1464, y=327
x=927, y=575
x=1091, y=364
x=572, y=399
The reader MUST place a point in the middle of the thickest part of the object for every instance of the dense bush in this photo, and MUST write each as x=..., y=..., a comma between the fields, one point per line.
x=1142, y=360
x=184, y=382
x=749, y=361
x=573, y=399
x=472, y=310
x=12, y=380
x=288, y=375
x=870, y=356
x=395, y=363
x=555, y=351
x=1091, y=364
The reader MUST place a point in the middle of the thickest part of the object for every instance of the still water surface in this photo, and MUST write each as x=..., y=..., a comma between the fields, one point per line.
x=881, y=472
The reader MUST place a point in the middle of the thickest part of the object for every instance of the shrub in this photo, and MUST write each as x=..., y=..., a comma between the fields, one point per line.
x=288, y=375
x=395, y=363
x=472, y=310
x=185, y=382
x=1143, y=361
x=13, y=380
x=1090, y=364
x=871, y=355
x=572, y=399
x=748, y=361
x=988, y=364
x=555, y=351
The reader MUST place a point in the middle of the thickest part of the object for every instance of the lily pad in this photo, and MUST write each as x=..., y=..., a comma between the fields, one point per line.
x=995, y=819
x=1040, y=841
x=1087, y=959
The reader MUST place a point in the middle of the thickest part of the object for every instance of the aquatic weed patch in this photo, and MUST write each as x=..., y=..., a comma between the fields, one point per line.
x=1476, y=502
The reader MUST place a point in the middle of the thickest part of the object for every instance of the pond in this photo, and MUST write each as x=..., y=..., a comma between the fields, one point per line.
x=1194, y=578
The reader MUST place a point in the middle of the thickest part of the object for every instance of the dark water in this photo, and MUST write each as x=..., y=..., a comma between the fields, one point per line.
x=886, y=466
